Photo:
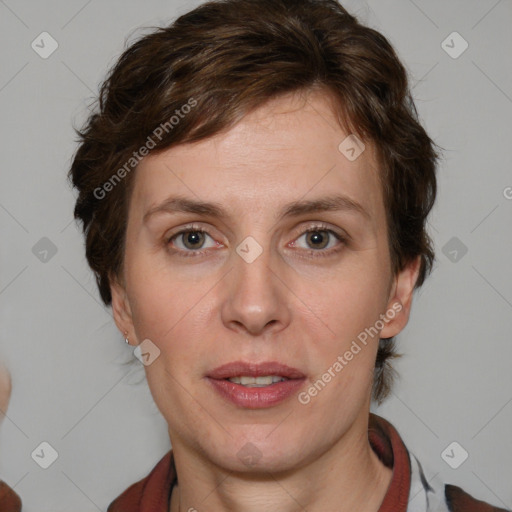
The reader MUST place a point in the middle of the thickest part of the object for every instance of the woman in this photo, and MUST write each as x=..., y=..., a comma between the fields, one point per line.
x=254, y=189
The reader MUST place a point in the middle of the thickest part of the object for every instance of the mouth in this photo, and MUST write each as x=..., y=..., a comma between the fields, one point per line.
x=256, y=386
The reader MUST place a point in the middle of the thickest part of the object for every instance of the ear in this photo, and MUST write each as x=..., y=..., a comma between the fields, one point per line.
x=400, y=299
x=121, y=309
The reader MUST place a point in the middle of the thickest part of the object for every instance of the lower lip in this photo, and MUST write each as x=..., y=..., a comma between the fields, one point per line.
x=256, y=398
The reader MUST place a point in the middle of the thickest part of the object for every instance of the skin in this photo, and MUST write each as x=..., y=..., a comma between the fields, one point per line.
x=5, y=390
x=289, y=305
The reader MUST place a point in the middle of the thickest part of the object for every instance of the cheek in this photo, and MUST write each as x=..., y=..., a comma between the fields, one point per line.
x=168, y=310
x=161, y=297
x=347, y=304
x=175, y=311
x=169, y=317
x=347, y=299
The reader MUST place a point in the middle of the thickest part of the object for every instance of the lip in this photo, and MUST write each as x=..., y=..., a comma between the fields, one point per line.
x=255, y=398
x=237, y=368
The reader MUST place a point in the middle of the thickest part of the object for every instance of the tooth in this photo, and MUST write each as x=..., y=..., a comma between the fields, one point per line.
x=253, y=382
x=264, y=381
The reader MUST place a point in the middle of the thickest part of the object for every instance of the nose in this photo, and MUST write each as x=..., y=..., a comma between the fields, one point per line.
x=255, y=299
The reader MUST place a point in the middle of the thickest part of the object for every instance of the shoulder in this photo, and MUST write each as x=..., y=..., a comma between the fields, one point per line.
x=459, y=500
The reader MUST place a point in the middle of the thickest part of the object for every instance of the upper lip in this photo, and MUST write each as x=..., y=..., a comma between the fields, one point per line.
x=239, y=368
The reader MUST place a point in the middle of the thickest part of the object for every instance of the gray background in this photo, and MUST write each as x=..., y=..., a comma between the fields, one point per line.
x=75, y=384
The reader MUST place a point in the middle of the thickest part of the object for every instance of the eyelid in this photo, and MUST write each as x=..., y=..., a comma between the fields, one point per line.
x=186, y=229
x=322, y=226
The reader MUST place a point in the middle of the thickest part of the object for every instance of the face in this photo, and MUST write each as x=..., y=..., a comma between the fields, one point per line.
x=278, y=275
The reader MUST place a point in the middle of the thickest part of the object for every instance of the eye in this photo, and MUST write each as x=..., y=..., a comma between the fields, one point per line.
x=319, y=239
x=192, y=240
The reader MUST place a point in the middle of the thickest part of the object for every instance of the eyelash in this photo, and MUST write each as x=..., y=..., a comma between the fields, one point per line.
x=316, y=253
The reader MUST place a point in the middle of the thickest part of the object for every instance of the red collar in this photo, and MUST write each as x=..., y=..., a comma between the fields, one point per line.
x=152, y=493
x=389, y=447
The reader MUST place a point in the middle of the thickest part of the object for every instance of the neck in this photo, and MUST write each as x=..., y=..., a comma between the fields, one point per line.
x=340, y=479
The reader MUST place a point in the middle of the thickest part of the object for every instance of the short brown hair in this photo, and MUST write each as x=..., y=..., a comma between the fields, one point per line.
x=227, y=58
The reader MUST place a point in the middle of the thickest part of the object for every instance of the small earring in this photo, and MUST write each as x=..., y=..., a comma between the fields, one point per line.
x=126, y=338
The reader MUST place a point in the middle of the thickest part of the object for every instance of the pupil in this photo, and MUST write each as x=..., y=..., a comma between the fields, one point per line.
x=318, y=239
x=193, y=238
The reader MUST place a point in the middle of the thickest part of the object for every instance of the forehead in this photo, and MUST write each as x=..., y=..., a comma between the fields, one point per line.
x=292, y=147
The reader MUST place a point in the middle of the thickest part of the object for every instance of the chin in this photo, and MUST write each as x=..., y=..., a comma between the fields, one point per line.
x=250, y=460
x=259, y=452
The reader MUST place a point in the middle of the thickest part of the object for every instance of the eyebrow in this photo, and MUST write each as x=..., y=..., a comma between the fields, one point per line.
x=179, y=204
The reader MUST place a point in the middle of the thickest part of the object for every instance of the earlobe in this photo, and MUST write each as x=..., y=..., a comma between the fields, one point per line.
x=121, y=308
x=400, y=300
